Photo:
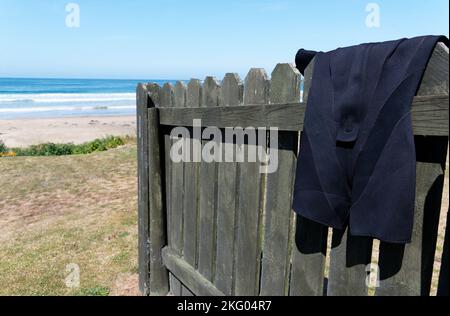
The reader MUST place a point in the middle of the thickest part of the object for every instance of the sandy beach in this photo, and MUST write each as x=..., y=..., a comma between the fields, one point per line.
x=26, y=132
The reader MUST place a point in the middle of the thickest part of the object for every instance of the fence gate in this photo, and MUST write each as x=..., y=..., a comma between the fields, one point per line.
x=224, y=228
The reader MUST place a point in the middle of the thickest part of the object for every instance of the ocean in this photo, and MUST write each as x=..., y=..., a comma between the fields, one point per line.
x=45, y=98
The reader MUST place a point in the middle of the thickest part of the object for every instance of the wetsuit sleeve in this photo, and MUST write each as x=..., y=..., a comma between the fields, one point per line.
x=303, y=58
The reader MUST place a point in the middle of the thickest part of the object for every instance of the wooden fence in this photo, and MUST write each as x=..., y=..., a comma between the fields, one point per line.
x=226, y=229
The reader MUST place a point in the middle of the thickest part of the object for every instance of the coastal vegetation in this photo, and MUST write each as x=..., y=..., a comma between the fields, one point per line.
x=51, y=149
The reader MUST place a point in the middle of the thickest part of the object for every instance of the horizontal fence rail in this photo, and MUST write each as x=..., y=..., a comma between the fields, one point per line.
x=225, y=228
x=429, y=114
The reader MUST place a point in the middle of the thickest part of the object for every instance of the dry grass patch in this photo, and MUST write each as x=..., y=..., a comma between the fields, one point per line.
x=55, y=211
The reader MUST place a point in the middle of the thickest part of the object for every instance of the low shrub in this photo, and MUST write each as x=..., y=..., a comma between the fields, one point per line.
x=93, y=291
x=48, y=149
x=51, y=149
x=99, y=145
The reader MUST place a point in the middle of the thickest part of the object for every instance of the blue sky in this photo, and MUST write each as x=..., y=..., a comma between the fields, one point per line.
x=179, y=39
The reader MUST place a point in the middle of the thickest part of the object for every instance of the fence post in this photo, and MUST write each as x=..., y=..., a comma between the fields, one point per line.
x=153, y=276
x=143, y=211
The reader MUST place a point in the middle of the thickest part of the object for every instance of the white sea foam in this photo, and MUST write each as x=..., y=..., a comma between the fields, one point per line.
x=66, y=97
x=65, y=108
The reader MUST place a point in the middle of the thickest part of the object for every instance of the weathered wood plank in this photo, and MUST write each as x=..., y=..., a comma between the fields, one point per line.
x=429, y=115
x=309, y=250
x=142, y=101
x=177, y=186
x=285, y=84
x=349, y=258
x=179, y=101
x=287, y=117
x=231, y=95
x=159, y=284
x=250, y=206
x=208, y=195
x=435, y=79
x=307, y=80
x=167, y=100
x=279, y=217
x=186, y=292
x=308, y=261
x=432, y=210
x=194, y=94
x=166, y=95
x=407, y=270
x=179, y=94
x=155, y=93
x=196, y=282
x=191, y=190
x=175, y=285
x=191, y=185
x=232, y=90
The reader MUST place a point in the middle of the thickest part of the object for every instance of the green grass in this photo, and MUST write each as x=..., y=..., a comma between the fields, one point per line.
x=51, y=149
x=60, y=210
x=93, y=291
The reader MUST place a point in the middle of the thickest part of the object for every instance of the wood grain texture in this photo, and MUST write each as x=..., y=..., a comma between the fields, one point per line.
x=435, y=79
x=208, y=193
x=143, y=197
x=193, y=280
x=232, y=90
x=178, y=186
x=308, y=261
x=167, y=100
x=279, y=217
x=429, y=115
x=250, y=206
x=158, y=284
x=231, y=95
x=166, y=95
x=186, y=292
x=191, y=186
x=180, y=94
x=407, y=270
x=349, y=258
x=194, y=94
x=309, y=249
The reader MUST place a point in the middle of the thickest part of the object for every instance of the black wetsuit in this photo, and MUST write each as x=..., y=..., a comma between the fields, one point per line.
x=357, y=162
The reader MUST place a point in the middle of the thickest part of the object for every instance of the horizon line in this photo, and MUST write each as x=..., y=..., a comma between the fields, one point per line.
x=91, y=78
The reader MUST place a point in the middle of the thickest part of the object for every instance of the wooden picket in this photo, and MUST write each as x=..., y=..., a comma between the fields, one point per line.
x=231, y=95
